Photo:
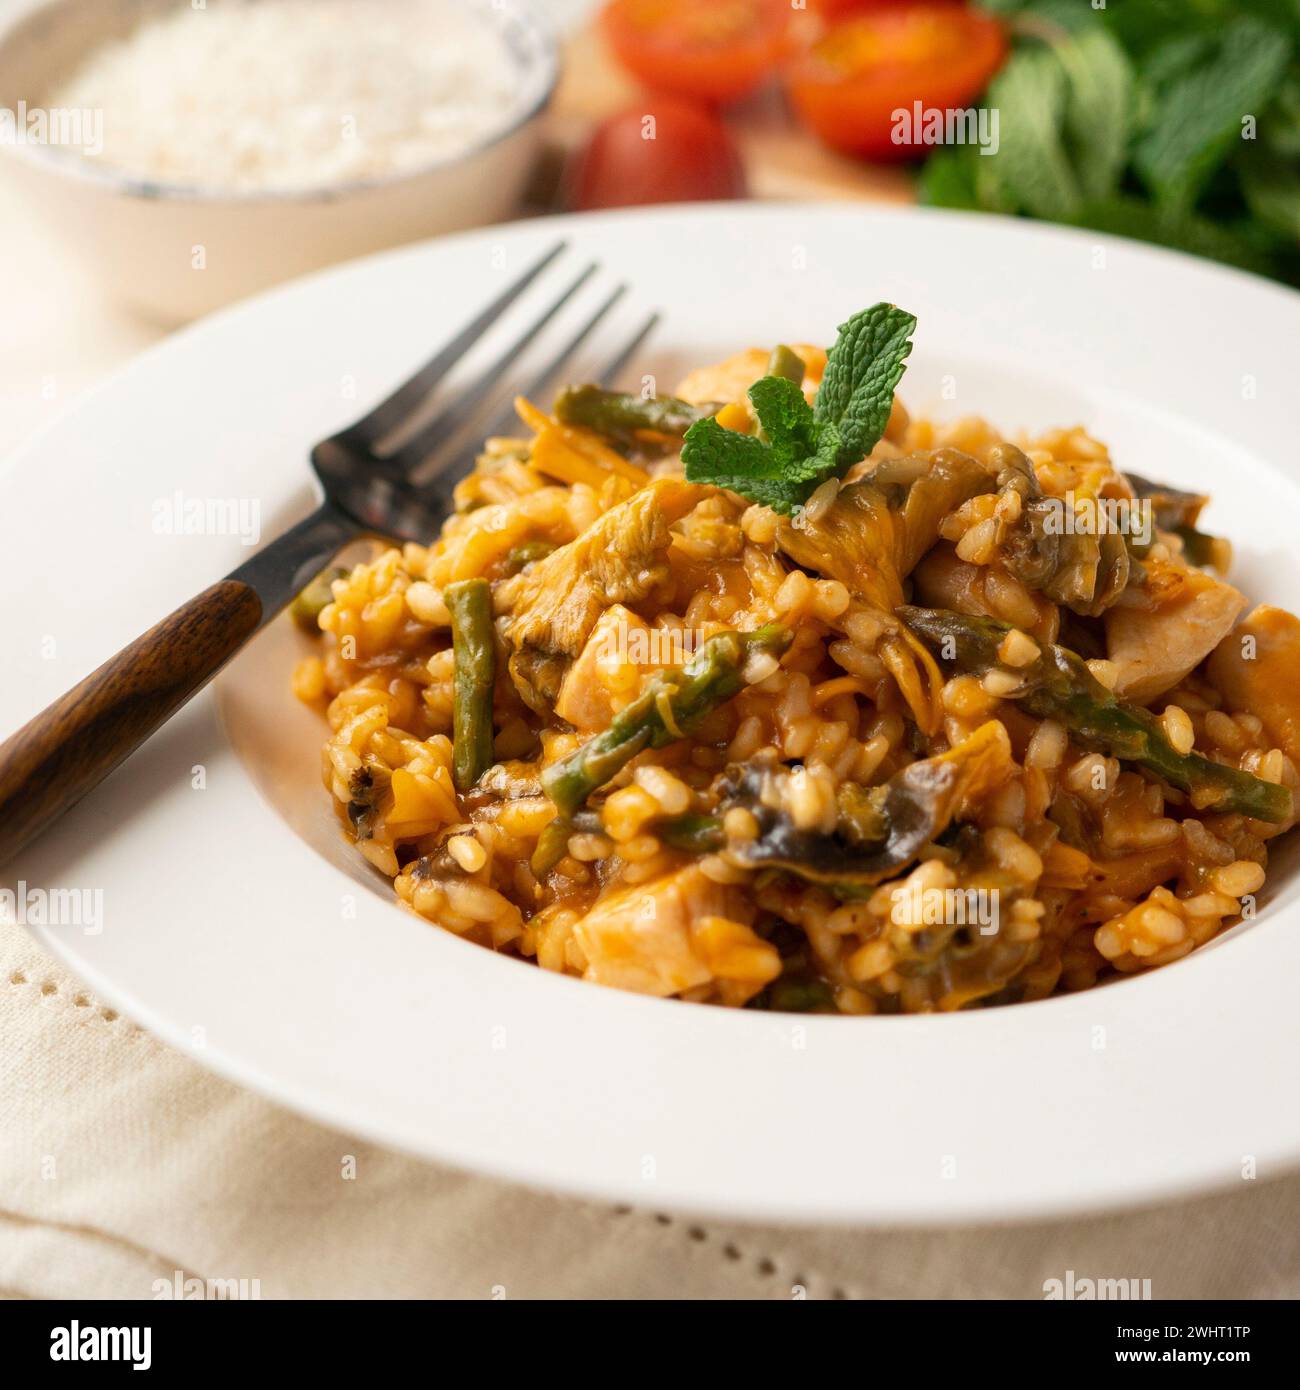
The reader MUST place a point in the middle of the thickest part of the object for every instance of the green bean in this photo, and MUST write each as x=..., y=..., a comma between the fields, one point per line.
x=474, y=644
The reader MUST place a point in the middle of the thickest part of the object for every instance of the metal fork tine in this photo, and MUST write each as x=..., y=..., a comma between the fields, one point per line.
x=608, y=374
x=396, y=407
x=463, y=459
x=530, y=389
x=449, y=420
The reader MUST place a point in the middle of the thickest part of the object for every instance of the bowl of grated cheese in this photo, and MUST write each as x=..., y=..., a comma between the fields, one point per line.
x=195, y=153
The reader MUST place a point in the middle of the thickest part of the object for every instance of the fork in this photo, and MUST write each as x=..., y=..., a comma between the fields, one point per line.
x=400, y=493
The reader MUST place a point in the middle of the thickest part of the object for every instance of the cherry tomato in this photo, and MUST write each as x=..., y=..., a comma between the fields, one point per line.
x=663, y=150
x=832, y=10
x=848, y=85
x=712, y=50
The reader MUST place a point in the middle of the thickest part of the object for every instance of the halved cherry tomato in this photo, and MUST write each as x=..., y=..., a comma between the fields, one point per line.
x=662, y=150
x=832, y=10
x=713, y=50
x=849, y=84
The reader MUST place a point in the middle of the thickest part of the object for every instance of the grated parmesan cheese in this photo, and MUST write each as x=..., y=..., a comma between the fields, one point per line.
x=263, y=95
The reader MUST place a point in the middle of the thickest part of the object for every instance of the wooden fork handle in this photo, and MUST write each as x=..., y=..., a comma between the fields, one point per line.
x=70, y=747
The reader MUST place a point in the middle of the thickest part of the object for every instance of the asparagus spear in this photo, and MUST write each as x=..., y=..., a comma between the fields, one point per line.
x=786, y=362
x=551, y=845
x=796, y=993
x=310, y=604
x=1059, y=686
x=696, y=834
x=620, y=416
x=527, y=554
x=672, y=704
x=474, y=643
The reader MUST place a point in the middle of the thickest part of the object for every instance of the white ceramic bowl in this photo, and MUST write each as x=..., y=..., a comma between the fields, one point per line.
x=238, y=925
x=139, y=237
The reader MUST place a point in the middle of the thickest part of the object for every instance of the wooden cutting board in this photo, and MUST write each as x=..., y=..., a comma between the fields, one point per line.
x=781, y=159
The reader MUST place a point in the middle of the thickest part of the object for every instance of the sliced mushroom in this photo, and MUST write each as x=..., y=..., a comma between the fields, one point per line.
x=878, y=830
x=1084, y=571
x=876, y=530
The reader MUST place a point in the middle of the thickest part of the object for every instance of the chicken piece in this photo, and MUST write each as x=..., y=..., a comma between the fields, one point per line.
x=557, y=602
x=730, y=380
x=1154, y=645
x=639, y=937
x=608, y=673
x=1257, y=670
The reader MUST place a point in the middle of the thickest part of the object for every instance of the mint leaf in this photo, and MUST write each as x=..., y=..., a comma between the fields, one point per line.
x=1065, y=106
x=1271, y=186
x=862, y=371
x=1101, y=91
x=1175, y=58
x=1281, y=128
x=1199, y=113
x=1031, y=170
x=784, y=414
x=742, y=463
x=775, y=476
x=1098, y=109
x=1179, y=228
x=947, y=179
x=801, y=445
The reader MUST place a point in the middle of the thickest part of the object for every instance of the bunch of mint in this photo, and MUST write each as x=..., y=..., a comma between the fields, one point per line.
x=1172, y=121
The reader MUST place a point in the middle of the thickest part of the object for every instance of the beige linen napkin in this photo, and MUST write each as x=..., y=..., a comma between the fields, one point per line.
x=125, y=1170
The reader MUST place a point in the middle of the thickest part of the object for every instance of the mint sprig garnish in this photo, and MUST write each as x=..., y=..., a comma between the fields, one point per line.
x=802, y=445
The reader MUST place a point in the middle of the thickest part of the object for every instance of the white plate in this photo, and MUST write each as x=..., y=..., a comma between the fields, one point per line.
x=238, y=929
